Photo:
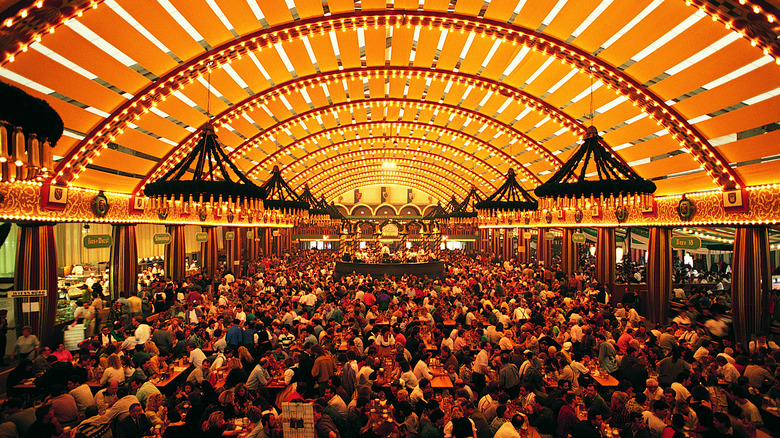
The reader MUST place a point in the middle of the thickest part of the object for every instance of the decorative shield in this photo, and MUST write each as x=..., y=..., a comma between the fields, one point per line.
x=548, y=217
x=202, y=213
x=163, y=212
x=621, y=214
x=686, y=208
x=230, y=216
x=100, y=205
x=578, y=215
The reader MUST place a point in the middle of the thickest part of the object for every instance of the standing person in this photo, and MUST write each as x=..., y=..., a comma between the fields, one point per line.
x=27, y=345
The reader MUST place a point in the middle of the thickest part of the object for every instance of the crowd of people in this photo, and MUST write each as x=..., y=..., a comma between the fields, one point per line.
x=523, y=350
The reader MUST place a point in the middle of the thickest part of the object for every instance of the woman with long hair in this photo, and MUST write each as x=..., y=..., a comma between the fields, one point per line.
x=247, y=361
x=215, y=426
x=155, y=411
x=114, y=371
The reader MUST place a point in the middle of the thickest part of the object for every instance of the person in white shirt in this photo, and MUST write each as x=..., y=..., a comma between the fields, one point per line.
x=196, y=355
x=81, y=392
x=335, y=400
x=511, y=429
x=421, y=370
x=726, y=370
x=142, y=330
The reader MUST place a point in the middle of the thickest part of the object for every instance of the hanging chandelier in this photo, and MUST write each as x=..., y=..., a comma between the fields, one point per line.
x=506, y=205
x=280, y=198
x=615, y=185
x=215, y=181
x=319, y=210
x=465, y=211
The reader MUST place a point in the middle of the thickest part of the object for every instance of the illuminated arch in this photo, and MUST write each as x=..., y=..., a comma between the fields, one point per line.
x=689, y=137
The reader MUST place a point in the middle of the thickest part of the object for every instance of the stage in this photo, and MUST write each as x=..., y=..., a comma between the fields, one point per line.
x=378, y=270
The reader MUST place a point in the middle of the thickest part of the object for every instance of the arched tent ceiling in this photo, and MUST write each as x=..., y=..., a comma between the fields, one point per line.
x=454, y=93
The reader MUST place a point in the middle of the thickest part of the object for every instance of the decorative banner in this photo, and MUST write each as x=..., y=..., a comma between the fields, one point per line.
x=578, y=238
x=230, y=235
x=161, y=238
x=250, y=234
x=549, y=235
x=686, y=242
x=97, y=241
x=202, y=237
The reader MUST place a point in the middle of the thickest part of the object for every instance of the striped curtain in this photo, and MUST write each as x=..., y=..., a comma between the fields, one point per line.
x=252, y=243
x=568, y=252
x=605, y=255
x=483, y=240
x=175, y=253
x=495, y=242
x=543, y=248
x=36, y=269
x=750, y=281
x=123, y=261
x=508, y=241
x=659, y=274
x=209, y=250
x=233, y=251
x=522, y=247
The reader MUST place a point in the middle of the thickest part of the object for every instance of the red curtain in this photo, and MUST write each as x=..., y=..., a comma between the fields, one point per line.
x=569, y=257
x=36, y=269
x=750, y=282
x=659, y=274
x=175, y=254
x=543, y=248
x=605, y=256
x=124, y=261
x=209, y=253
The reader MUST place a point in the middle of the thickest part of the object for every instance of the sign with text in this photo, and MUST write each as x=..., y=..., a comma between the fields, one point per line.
x=230, y=235
x=686, y=242
x=527, y=235
x=578, y=238
x=97, y=241
x=549, y=235
x=26, y=293
x=250, y=234
x=202, y=237
x=161, y=238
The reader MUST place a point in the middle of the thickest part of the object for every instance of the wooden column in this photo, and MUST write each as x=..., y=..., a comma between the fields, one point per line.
x=123, y=261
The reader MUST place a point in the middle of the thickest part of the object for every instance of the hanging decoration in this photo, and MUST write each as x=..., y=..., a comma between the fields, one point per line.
x=282, y=199
x=465, y=211
x=615, y=184
x=214, y=181
x=507, y=204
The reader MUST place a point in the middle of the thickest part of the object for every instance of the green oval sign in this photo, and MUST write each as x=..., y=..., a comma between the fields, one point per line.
x=549, y=235
x=686, y=242
x=161, y=238
x=250, y=234
x=202, y=237
x=230, y=235
x=578, y=238
x=97, y=241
